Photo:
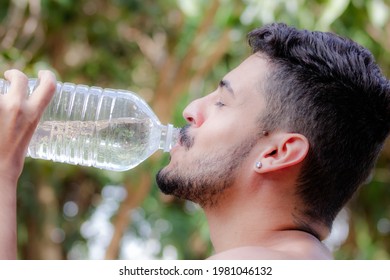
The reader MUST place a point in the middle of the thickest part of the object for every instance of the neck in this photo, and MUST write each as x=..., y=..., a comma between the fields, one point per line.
x=234, y=223
x=252, y=220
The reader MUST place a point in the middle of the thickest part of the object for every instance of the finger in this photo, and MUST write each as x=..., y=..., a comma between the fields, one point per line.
x=18, y=85
x=42, y=95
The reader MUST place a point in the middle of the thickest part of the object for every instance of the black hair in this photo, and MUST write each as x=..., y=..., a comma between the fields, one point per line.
x=331, y=90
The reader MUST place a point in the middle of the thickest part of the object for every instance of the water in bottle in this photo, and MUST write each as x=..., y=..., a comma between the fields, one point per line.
x=90, y=126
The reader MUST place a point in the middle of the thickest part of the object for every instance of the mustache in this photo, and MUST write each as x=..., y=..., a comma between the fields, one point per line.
x=186, y=140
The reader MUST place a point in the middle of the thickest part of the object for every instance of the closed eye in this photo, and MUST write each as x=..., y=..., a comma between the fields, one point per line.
x=219, y=104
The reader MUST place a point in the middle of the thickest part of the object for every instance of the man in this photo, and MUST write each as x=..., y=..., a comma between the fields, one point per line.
x=272, y=155
x=281, y=145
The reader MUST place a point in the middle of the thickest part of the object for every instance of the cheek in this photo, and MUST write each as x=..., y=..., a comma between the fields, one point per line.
x=215, y=136
x=230, y=131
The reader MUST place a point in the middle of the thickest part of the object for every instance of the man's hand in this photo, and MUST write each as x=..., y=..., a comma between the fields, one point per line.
x=19, y=116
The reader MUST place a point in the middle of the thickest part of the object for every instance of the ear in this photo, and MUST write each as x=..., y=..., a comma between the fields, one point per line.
x=282, y=151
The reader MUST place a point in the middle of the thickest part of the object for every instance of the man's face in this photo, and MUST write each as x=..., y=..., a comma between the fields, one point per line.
x=214, y=153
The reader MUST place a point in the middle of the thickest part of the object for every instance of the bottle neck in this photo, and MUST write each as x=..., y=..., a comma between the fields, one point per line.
x=169, y=137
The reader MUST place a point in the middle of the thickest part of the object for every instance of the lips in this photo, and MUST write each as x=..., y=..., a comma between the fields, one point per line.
x=185, y=139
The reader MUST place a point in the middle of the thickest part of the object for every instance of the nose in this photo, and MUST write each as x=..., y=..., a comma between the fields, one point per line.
x=194, y=113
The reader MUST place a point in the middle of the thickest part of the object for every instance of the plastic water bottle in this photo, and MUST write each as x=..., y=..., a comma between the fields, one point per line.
x=105, y=128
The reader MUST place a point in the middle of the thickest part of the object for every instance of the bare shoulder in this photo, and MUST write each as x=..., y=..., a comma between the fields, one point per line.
x=250, y=253
x=260, y=253
x=300, y=248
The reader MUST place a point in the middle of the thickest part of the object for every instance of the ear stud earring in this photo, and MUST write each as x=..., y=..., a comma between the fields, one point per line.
x=259, y=164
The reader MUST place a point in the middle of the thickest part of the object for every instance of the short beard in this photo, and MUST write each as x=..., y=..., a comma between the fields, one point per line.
x=208, y=179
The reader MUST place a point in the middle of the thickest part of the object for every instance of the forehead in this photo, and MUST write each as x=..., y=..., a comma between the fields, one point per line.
x=249, y=75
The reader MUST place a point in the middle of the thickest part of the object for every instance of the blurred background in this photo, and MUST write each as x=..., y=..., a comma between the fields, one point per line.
x=168, y=52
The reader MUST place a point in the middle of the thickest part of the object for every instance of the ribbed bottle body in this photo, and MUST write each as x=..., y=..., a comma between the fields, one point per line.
x=90, y=126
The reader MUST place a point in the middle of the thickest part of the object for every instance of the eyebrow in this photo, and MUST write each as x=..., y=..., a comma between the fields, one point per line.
x=226, y=84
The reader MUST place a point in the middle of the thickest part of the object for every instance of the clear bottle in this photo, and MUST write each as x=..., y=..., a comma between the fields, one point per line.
x=105, y=128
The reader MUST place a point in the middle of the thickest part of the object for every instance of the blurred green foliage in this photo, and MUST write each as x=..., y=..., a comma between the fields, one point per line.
x=169, y=52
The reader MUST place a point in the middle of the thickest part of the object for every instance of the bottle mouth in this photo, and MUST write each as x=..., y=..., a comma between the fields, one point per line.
x=172, y=137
